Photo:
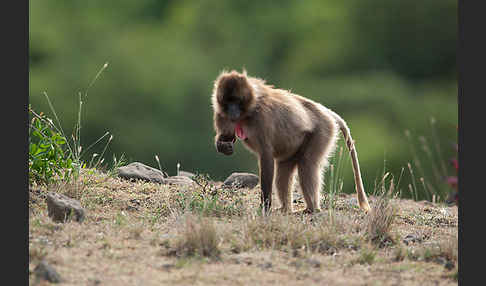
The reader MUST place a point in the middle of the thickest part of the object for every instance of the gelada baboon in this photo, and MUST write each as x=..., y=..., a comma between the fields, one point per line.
x=286, y=131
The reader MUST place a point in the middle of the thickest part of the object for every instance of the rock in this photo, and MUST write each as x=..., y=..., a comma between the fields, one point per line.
x=62, y=208
x=186, y=174
x=313, y=262
x=178, y=180
x=168, y=266
x=449, y=265
x=137, y=170
x=242, y=180
x=44, y=271
x=411, y=238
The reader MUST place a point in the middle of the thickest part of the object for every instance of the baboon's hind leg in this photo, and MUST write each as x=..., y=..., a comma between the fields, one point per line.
x=310, y=183
x=311, y=167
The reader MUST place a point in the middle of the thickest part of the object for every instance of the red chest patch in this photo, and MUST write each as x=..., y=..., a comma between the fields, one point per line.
x=240, y=133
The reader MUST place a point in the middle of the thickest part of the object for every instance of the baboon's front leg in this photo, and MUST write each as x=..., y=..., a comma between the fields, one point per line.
x=266, y=181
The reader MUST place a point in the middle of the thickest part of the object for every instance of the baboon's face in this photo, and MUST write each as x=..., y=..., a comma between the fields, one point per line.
x=234, y=96
x=233, y=108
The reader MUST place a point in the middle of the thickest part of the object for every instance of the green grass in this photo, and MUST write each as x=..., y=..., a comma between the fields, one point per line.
x=428, y=169
x=53, y=155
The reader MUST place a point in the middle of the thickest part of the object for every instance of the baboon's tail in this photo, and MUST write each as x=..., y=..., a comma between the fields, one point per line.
x=362, y=200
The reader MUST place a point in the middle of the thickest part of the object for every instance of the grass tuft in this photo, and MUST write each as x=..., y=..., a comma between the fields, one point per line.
x=379, y=221
x=366, y=256
x=199, y=237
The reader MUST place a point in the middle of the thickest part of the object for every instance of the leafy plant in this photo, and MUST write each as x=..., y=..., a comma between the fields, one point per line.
x=48, y=154
x=50, y=151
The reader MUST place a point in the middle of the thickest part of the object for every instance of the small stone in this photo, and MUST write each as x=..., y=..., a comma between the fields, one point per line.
x=44, y=271
x=178, y=180
x=167, y=266
x=411, y=238
x=137, y=170
x=62, y=208
x=313, y=262
x=449, y=265
x=242, y=180
x=266, y=265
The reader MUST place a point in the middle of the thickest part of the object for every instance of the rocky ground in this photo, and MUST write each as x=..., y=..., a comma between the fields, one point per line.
x=181, y=231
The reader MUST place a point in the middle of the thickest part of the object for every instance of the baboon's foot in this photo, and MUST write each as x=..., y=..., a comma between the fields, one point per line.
x=365, y=207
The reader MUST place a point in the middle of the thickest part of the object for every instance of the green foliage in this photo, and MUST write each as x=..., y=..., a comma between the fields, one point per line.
x=51, y=153
x=48, y=155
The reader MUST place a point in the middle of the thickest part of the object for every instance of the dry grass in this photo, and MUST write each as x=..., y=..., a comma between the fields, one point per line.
x=139, y=233
x=380, y=221
x=198, y=237
x=443, y=250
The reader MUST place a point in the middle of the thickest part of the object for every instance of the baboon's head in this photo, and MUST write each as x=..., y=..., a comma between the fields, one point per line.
x=233, y=95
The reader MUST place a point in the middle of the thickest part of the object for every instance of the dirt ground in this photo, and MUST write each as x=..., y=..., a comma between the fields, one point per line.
x=140, y=233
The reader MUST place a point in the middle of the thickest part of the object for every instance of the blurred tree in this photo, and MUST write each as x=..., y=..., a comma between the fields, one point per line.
x=385, y=66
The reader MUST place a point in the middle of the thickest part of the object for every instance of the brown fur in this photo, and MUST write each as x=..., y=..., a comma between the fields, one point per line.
x=286, y=131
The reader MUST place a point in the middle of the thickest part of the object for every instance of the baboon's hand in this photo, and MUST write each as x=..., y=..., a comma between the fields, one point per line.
x=225, y=147
x=224, y=143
